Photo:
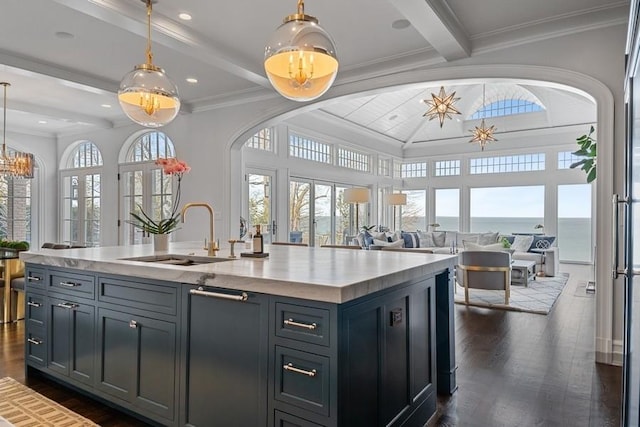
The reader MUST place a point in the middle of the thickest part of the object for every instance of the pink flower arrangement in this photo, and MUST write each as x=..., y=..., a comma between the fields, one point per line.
x=170, y=166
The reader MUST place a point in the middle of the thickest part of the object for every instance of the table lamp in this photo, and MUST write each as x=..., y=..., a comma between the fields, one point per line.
x=355, y=196
x=396, y=199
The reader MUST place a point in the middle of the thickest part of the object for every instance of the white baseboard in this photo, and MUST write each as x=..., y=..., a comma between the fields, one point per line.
x=609, y=352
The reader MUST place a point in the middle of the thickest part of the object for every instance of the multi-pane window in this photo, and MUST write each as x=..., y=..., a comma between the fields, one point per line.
x=261, y=140
x=308, y=149
x=354, y=160
x=413, y=170
x=506, y=164
x=566, y=159
x=143, y=184
x=506, y=107
x=384, y=167
x=15, y=208
x=447, y=168
x=81, y=196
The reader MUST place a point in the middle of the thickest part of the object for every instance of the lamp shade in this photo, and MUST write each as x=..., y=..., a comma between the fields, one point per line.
x=300, y=58
x=356, y=195
x=397, y=199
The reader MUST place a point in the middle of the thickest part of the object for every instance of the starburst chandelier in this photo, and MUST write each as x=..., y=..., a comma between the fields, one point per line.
x=441, y=106
x=483, y=134
x=16, y=164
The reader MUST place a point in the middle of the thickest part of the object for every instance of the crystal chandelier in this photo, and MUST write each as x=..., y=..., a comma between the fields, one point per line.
x=16, y=164
x=300, y=58
x=147, y=96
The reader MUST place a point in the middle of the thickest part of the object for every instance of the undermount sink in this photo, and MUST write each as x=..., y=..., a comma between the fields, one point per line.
x=174, y=259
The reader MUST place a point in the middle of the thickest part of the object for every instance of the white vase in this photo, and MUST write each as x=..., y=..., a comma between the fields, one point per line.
x=160, y=242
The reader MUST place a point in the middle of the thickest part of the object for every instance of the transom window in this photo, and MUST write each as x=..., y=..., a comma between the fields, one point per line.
x=354, y=160
x=85, y=155
x=308, y=149
x=566, y=159
x=384, y=167
x=150, y=146
x=507, y=164
x=447, y=168
x=261, y=140
x=413, y=170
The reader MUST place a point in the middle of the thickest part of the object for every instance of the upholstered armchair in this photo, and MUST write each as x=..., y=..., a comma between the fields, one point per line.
x=484, y=270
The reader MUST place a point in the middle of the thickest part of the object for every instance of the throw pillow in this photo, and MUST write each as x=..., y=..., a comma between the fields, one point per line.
x=487, y=238
x=542, y=242
x=396, y=244
x=426, y=239
x=521, y=243
x=378, y=235
x=411, y=239
x=438, y=238
x=471, y=246
x=450, y=238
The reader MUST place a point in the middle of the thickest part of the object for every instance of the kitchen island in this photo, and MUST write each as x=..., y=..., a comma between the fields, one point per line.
x=305, y=337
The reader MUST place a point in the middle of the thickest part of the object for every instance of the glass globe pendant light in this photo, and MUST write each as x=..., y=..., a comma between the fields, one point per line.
x=147, y=96
x=300, y=58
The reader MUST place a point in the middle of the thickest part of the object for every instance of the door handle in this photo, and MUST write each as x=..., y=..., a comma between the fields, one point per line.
x=615, y=256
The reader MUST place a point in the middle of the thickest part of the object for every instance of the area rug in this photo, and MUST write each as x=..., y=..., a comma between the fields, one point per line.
x=539, y=297
x=24, y=407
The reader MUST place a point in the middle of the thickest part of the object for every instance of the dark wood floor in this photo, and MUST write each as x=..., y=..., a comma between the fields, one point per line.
x=515, y=369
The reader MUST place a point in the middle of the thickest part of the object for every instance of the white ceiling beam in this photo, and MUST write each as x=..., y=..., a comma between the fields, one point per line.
x=436, y=22
x=127, y=16
x=60, y=115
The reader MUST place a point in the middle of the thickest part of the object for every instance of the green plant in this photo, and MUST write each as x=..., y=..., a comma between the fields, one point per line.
x=367, y=227
x=19, y=245
x=505, y=243
x=589, y=153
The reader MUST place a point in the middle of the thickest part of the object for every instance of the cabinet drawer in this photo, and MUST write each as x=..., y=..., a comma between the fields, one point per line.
x=34, y=279
x=36, y=346
x=302, y=379
x=73, y=284
x=139, y=294
x=302, y=323
x=35, y=310
x=282, y=419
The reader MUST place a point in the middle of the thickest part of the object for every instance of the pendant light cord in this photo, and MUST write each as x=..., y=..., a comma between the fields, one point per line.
x=300, y=7
x=4, y=121
x=149, y=54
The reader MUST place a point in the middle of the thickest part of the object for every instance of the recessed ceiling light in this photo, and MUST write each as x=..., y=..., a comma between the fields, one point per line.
x=185, y=16
x=105, y=105
x=400, y=24
x=192, y=80
x=64, y=35
x=42, y=122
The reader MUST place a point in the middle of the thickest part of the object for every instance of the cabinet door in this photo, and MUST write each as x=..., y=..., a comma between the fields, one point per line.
x=71, y=343
x=137, y=360
x=226, y=360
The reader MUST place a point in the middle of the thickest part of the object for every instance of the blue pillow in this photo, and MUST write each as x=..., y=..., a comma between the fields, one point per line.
x=541, y=242
x=411, y=239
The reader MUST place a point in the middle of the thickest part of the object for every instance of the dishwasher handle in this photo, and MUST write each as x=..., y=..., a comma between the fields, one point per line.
x=201, y=292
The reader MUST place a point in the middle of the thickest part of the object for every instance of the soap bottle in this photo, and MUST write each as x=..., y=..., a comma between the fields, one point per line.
x=258, y=243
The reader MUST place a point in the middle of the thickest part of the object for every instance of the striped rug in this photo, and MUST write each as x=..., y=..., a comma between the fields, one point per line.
x=24, y=407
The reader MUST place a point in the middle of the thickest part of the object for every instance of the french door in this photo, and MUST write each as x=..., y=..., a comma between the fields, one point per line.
x=261, y=202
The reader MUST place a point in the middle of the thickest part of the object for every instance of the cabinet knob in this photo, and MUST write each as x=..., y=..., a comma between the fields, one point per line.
x=133, y=324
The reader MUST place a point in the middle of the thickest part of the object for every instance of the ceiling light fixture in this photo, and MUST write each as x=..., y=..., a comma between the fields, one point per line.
x=300, y=58
x=184, y=16
x=191, y=80
x=17, y=164
x=441, y=106
x=483, y=135
x=147, y=96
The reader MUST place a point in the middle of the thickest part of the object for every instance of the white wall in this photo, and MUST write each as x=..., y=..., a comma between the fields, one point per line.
x=592, y=59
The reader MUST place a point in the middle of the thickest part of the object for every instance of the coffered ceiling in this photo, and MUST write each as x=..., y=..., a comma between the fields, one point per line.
x=65, y=58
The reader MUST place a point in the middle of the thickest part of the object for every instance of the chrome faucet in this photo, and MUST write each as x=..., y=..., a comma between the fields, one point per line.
x=212, y=247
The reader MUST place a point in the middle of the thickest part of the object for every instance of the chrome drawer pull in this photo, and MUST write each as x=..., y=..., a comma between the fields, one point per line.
x=34, y=341
x=133, y=324
x=67, y=305
x=290, y=367
x=200, y=291
x=34, y=304
x=33, y=279
x=311, y=327
x=70, y=284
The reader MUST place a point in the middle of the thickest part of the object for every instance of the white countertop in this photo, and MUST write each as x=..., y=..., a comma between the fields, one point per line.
x=320, y=274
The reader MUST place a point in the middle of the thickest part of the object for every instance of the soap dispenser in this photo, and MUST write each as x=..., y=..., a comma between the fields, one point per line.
x=258, y=243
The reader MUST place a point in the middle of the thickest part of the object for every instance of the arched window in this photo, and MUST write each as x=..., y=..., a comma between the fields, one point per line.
x=81, y=196
x=15, y=207
x=143, y=185
x=504, y=99
x=506, y=107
